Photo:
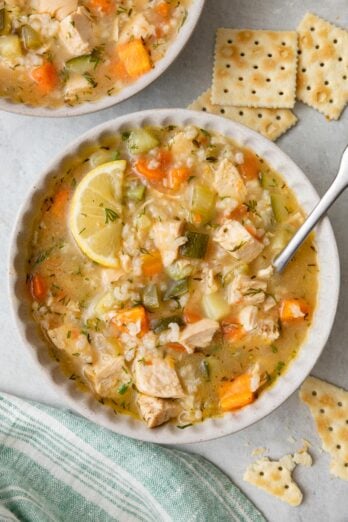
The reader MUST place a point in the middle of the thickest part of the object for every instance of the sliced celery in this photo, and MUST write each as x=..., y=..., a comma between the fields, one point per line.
x=202, y=201
x=103, y=156
x=159, y=325
x=5, y=22
x=279, y=209
x=215, y=306
x=81, y=64
x=150, y=297
x=268, y=181
x=135, y=191
x=141, y=140
x=195, y=246
x=176, y=289
x=30, y=38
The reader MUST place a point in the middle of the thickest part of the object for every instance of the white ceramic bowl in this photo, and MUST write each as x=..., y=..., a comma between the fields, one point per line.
x=84, y=403
x=194, y=12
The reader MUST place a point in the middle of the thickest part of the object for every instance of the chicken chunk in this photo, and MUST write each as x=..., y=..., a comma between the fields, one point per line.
x=156, y=411
x=199, y=334
x=107, y=375
x=75, y=86
x=157, y=378
x=228, y=182
x=248, y=318
x=246, y=290
x=76, y=32
x=137, y=27
x=58, y=8
x=268, y=330
x=167, y=239
x=236, y=240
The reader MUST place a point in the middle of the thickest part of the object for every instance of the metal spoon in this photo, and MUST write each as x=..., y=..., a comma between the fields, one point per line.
x=339, y=184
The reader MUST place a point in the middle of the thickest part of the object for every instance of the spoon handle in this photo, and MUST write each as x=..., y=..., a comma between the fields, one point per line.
x=339, y=184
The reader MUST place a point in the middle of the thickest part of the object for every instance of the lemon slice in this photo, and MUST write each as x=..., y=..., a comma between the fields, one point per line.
x=95, y=218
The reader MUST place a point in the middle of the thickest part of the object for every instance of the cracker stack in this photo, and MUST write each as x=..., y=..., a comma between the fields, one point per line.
x=258, y=74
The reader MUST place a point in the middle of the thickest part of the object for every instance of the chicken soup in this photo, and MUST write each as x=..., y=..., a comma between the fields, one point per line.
x=151, y=276
x=55, y=52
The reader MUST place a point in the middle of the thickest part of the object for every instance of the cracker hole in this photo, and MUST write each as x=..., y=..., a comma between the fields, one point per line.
x=308, y=89
x=253, y=92
x=330, y=428
x=280, y=468
x=229, y=41
x=225, y=91
x=222, y=111
x=286, y=486
x=261, y=473
x=317, y=46
x=241, y=78
x=344, y=77
x=268, y=79
x=322, y=410
x=256, y=42
x=282, y=68
x=330, y=101
x=204, y=109
x=299, y=51
x=322, y=64
x=283, y=43
x=256, y=66
x=335, y=41
x=242, y=54
x=340, y=59
x=269, y=55
x=228, y=65
x=346, y=464
x=338, y=446
x=259, y=115
x=241, y=113
x=281, y=93
x=326, y=82
x=339, y=404
x=278, y=117
x=304, y=70
x=312, y=29
x=313, y=392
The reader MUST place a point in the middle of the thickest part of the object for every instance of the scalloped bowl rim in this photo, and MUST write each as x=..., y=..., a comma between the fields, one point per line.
x=329, y=278
x=175, y=48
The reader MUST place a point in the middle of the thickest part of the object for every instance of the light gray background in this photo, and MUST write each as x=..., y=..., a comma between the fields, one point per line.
x=27, y=144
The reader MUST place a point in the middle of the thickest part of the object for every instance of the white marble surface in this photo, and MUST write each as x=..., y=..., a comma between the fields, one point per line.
x=26, y=144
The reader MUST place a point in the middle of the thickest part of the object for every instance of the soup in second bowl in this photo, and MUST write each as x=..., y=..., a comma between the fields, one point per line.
x=151, y=275
x=59, y=52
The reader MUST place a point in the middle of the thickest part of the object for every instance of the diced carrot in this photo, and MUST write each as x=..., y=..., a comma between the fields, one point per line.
x=130, y=316
x=252, y=231
x=177, y=347
x=293, y=310
x=191, y=316
x=163, y=10
x=163, y=158
x=46, y=77
x=236, y=394
x=134, y=57
x=177, y=176
x=151, y=263
x=38, y=287
x=231, y=329
x=238, y=213
x=59, y=202
x=106, y=6
x=143, y=167
x=250, y=168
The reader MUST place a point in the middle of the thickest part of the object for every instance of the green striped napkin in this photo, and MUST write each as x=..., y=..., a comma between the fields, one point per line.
x=56, y=466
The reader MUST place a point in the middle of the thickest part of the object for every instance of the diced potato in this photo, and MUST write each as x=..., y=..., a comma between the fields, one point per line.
x=10, y=46
x=215, y=306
